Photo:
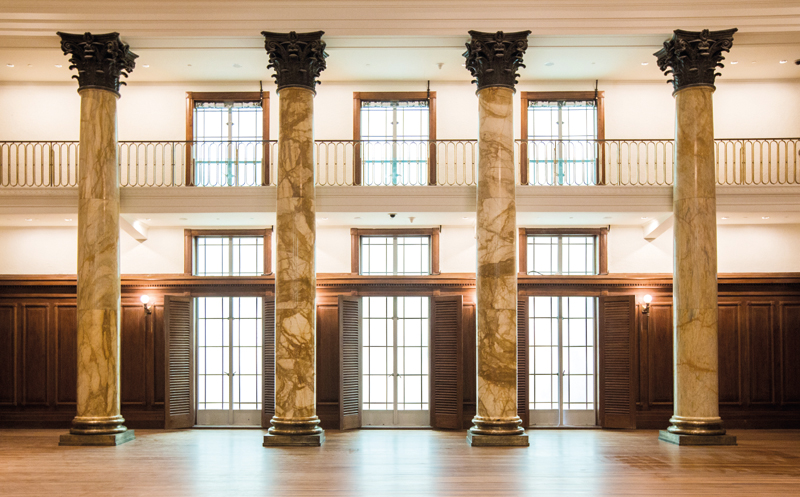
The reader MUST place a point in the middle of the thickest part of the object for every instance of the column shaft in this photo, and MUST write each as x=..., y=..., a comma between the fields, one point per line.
x=295, y=279
x=497, y=271
x=695, y=266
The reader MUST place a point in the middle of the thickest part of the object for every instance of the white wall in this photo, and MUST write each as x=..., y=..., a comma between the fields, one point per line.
x=149, y=111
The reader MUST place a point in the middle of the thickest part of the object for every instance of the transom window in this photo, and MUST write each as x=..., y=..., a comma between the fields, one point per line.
x=562, y=133
x=395, y=130
x=227, y=130
x=395, y=252
x=228, y=252
x=581, y=252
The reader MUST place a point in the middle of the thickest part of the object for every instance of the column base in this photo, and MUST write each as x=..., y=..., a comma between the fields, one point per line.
x=680, y=439
x=475, y=440
x=314, y=440
x=102, y=440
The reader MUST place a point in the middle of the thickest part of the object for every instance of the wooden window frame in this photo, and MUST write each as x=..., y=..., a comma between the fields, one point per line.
x=357, y=233
x=556, y=96
x=602, y=246
x=394, y=96
x=193, y=97
x=188, y=247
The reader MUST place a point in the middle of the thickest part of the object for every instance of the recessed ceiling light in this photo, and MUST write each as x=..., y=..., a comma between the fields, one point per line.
x=9, y=65
x=356, y=217
x=67, y=219
x=188, y=65
x=607, y=217
x=645, y=63
x=147, y=219
x=548, y=64
x=29, y=219
x=723, y=217
x=182, y=219
x=237, y=65
x=31, y=65
x=733, y=63
x=645, y=217
x=764, y=217
x=59, y=66
x=145, y=65
x=784, y=61
x=323, y=219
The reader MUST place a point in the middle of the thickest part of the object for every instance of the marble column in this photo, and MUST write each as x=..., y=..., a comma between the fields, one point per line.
x=493, y=59
x=693, y=58
x=100, y=60
x=298, y=60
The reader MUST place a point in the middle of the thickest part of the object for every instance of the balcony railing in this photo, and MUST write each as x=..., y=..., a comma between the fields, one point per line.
x=764, y=161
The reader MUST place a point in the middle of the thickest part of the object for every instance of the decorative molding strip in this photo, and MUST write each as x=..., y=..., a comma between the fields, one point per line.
x=692, y=57
x=493, y=58
x=298, y=59
x=99, y=59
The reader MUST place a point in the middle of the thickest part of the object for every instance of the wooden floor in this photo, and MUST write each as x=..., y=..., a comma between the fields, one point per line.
x=384, y=463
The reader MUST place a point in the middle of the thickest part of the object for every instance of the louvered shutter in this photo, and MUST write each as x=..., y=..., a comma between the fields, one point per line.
x=268, y=361
x=616, y=365
x=523, y=411
x=446, y=399
x=350, y=357
x=179, y=405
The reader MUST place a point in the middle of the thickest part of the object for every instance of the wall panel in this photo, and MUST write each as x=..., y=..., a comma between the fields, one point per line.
x=790, y=353
x=761, y=359
x=730, y=373
x=35, y=362
x=8, y=352
x=67, y=354
x=133, y=356
x=659, y=354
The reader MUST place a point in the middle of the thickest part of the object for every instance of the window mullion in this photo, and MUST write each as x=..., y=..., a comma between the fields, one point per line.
x=394, y=256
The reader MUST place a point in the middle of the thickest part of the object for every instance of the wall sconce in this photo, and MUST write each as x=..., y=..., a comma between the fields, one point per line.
x=646, y=305
x=145, y=299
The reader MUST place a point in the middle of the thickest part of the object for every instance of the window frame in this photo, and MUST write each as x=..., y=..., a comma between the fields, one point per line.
x=355, y=247
x=394, y=96
x=557, y=96
x=189, y=236
x=193, y=97
x=602, y=248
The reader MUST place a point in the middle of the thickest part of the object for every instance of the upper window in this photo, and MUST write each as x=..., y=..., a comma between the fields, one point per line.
x=395, y=131
x=227, y=252
x=563, y=251
x=395, y=252
x=228, y=132
x=563, y=133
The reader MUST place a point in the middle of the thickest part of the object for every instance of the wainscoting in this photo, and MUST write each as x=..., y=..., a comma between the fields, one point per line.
x=759, y=342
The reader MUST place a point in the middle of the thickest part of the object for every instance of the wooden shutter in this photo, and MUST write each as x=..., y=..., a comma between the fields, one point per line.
x=179, y=405
x=616, y=366
x=350, y=357
x=446, y=399
x=268, y=361
x=523, y=411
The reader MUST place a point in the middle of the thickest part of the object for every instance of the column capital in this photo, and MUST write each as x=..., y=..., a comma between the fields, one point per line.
x=99, y=59
x=298, y=58
x=692, y=57
x=493, y=58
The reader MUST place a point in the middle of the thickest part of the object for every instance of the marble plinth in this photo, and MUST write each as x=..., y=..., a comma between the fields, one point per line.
x=295, y=279
x=497, y=271
x=70, y=439
x=294, y=440
x=497, y=440
x=679, y=439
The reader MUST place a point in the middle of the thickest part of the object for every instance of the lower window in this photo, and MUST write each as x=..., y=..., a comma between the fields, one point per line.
x=562, y=378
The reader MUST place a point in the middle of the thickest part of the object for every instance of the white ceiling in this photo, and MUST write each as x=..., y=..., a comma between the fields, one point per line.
x=386, y=40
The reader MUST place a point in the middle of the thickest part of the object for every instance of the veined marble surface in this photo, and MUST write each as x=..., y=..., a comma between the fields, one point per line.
x=695, y=264
x=497, y=249
x=295, y=280
x=98, y=298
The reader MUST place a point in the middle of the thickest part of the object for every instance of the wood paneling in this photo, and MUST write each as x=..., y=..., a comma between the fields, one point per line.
x=67, y=354
x=446, y=372
x=790, y=353
x=159, y=354
x=760, y=353
x=8, y=352
x=133, y=356
x=35, y=361
x=730, y=378
x=468, y=351
x=659, y=354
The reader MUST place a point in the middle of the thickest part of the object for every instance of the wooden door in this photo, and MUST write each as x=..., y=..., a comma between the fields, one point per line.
x=617, y=405
x=350, y=367
x=446, y=398
x=179, y=404
x=268, y=361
